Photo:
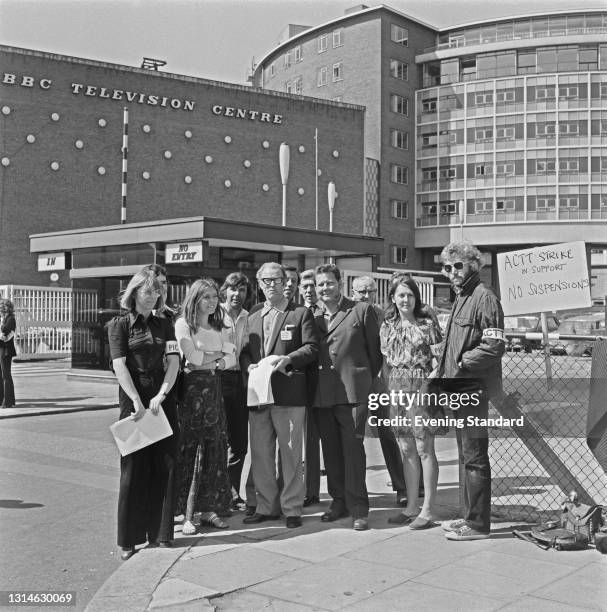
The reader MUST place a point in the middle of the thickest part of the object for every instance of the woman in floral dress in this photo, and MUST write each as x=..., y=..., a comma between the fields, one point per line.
x=410, y=336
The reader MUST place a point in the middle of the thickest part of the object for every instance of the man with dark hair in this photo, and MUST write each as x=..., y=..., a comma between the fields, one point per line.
x=234, y=292
x=471, y=363
x=364, y=289
x=307, y=290
x=284, y=333
x=291, y=284
x=349, y=359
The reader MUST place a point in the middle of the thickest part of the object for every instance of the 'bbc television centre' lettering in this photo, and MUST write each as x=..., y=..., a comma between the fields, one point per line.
x=134, y=97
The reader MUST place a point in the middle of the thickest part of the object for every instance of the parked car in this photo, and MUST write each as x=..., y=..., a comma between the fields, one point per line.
x=590, y=324
x=524, y=324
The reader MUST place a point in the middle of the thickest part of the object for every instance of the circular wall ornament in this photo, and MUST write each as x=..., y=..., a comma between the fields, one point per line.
x=188, y=179
x=246, y=163
x=227, y=139
x=31, y=138
x=301, y=191
x=168, y=155
x=208, y=159
x=6, y=110
x=188, y=134
x=336, y=154
x=102, y=122
x=227, y=183
x=146, y=175
x=146, y=128
x=265, y=187
x=265, y=144
x=55, y=116
x=55, y=166
x=79, y=144
x=6, y=162
x=302, y=149
x=101, y=170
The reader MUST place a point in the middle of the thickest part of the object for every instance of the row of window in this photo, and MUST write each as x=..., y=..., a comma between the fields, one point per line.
x=562, y=58
x=322, y=74
x=535, y=93
x=337, y=36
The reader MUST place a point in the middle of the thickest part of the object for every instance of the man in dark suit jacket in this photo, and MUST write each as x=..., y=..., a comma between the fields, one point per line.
x=287, y=334
x=349, y=359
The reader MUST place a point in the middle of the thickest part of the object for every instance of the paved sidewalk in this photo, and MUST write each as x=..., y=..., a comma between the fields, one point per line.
x=331, y=567
x=48, y=387
x=328, y=566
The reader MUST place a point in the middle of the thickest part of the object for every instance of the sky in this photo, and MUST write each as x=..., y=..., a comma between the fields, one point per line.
x=212, y=39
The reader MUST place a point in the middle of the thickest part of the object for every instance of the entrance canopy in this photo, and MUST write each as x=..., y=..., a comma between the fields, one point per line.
x=287, y=241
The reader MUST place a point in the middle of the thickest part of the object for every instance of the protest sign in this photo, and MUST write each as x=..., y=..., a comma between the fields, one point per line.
x=551, y=277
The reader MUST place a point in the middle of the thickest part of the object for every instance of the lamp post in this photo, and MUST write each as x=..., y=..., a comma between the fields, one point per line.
x=331, y=195
x=283, y=160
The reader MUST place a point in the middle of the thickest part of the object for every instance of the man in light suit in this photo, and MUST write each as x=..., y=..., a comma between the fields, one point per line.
x=286, y=333
x=348, y=360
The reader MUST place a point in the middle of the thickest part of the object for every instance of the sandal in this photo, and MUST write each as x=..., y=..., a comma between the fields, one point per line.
x=188, y=528
x=214, y=521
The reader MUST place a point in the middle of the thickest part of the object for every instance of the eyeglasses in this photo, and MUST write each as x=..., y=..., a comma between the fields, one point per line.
x=148, y=292
x=367, y=291
x=458, y=265
x=268, y=281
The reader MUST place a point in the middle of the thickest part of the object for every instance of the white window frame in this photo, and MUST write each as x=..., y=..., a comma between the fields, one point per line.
x=483, y=134
x=297, y=54
x=399, y=139
x=603, y=90
x=483, y=169
x=272, y=69
x=399, y=254
x=572, y=128
x=504, y=169
x=400, y=209
x=429, y=174
x=545, y=166
x=287, y=59
x=483, y=98
x=323, y=43
x=430, y=140
x=446, y=174
x=337, y=38
x=429, y=105
x=504, y=205
x=399, y=69
x=483, y=206
x=507, y=95
x=447, y=209
x=545, y=93
x=429, y=210
x=397, y=101
x=569, y=165
x=569, y=91
x=322, y=77
x=504, y=133
x=571, y=202
x=337, y=72
x=399, y=35
x=289, y=87
x=298, y=85
x=547, y=129
x=399, y=174
x=546, y=203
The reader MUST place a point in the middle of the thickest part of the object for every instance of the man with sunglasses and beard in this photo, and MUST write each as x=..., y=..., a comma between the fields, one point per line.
x=470, y=370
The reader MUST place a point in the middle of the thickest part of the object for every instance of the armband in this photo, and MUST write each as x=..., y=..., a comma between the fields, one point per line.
x=171, y=347
x=493, y=333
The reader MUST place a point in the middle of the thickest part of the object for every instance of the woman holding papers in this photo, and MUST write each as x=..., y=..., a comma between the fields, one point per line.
x=139, y=344
x=409, y=336
x=202, y=465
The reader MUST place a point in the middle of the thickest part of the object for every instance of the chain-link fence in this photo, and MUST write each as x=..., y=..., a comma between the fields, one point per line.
x=538, y=461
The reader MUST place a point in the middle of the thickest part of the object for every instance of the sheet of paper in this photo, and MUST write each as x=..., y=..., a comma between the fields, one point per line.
x=131, y=435
x=259, y=390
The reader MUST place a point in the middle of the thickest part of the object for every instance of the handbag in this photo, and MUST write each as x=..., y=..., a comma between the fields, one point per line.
x=575, y=530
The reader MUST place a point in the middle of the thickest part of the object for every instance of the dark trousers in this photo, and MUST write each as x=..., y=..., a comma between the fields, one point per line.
x=7, y=389
x=312, y=454
x=473, y=447
x=342, y=432
x=145, y=498
x=237, y=417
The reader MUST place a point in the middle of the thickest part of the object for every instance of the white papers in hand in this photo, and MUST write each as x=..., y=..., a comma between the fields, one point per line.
x=131, y=435
x=259, y=390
